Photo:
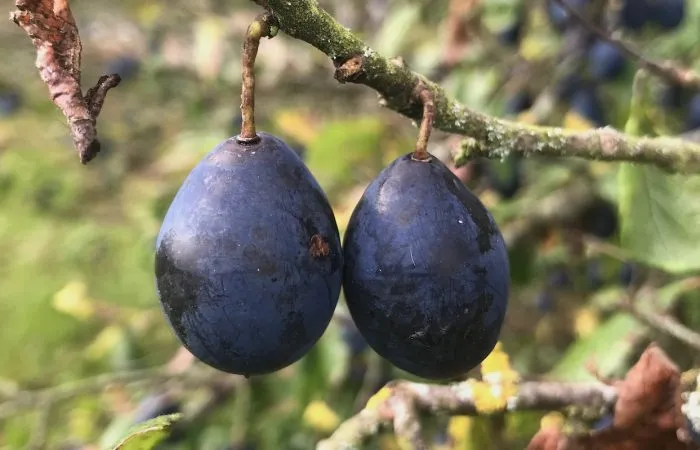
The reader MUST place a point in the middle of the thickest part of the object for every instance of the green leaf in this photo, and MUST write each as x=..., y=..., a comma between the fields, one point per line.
x=148, y=434
x=610, y=346
x=323, y=367
x=659, y=216
x=347, y=152
x=607, y=347
x=396, y=29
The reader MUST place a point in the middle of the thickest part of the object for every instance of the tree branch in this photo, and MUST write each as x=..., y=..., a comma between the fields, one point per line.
x=665, y=323
x=24, y=400
x=356, y=62
x=406, y=398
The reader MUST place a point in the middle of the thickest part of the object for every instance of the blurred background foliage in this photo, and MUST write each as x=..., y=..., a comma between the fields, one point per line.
x=76, y=242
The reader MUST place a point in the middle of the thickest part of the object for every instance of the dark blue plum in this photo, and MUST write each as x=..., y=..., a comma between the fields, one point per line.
x=594, y=275
x=568, y=86
x=558, y=16
x=692, y=115
x=426, y=275
x=10, y=102
x=126, y=67
x=544, y=301
x=627, y=274
x=668, y=14
x=511, y=34
x=153, y=406
x=559, y=278
x=599, y=219
x=673, y=96
x=605, y=61
x=248, y=259
x=604, y=423
x=634, y=14
x=506, y=178
x=518, y=102
x=585, y=101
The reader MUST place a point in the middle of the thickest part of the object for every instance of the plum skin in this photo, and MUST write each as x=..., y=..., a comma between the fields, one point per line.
x=426, y=275
x=249, y=259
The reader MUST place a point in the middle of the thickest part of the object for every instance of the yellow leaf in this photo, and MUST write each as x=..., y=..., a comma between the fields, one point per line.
x=459, y=429
x=527, y=117
x=553, y=420
x=533, y=48
x=496, y=361
x=209, y=47
x=585, y=322
x=297, y=125
x=319, y=416
x=378, y=398
x=388, y=442
x=575, y=121
x=489, y=198
x=486, y=401
x=149, y=12
x=104, y=342
x=74, y=301
x=544, y=330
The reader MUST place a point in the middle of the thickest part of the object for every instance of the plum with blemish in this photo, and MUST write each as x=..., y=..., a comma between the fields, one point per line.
x=426, y=276
x=248, y=258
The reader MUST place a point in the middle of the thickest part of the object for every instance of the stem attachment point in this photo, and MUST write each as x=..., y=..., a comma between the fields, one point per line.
x=426, y=97
x=264, y=25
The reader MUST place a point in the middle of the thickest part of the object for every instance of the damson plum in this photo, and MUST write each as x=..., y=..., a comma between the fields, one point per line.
x=426, y=274
x=586, y=102
x=605, y=61
x=248, y=259
x=599, y=219
x=668, y=14
x=692, y=115
x=634, y=14
x=511, y=34
x=558, y=16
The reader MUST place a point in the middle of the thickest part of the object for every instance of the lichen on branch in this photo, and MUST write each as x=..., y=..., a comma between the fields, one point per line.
x=51, y=26
x=490, y=137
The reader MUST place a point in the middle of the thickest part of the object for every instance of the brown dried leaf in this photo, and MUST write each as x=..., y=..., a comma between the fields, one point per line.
x=646, y=412
x=51, y=26
x=649, y=393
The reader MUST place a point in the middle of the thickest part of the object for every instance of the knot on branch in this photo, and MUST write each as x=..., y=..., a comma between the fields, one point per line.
x=349, y=70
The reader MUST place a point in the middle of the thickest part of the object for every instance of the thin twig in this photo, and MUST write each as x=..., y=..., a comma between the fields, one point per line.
x=24, y=400
x=668, y=70
x=39, y=436
x=664, y=322
x=406, y=424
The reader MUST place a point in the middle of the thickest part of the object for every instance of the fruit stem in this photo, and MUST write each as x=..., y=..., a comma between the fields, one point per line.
x=264, y=25
x=426, y=125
